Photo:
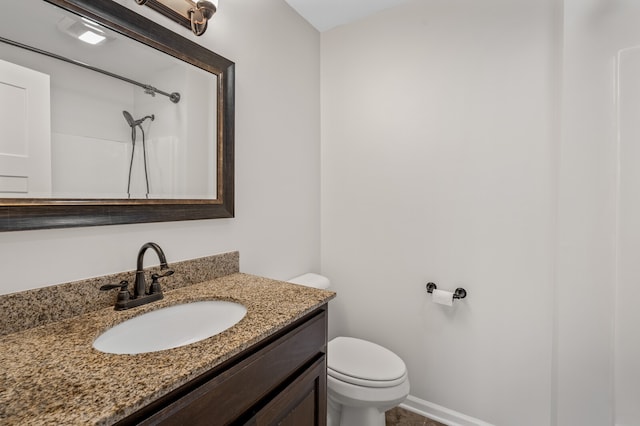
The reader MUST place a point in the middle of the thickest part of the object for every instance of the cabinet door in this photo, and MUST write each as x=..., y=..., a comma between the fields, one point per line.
x=302, y=403
x=231, y=396
x=25, y=140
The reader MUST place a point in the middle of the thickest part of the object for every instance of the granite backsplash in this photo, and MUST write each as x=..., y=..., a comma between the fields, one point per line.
x=32, y=308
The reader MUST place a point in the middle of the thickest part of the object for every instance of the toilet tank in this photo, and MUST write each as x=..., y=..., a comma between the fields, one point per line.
x=312, y=280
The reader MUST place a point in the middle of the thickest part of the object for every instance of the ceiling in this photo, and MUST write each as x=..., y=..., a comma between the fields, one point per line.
x=327, y=14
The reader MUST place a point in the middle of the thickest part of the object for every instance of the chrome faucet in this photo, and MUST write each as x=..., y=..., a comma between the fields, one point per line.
x=140, y=295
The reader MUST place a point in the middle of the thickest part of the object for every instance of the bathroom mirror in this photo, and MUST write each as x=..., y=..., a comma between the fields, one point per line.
x=137, y=127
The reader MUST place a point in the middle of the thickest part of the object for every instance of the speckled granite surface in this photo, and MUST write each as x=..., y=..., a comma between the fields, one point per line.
x=52, y=375
x=31, y=308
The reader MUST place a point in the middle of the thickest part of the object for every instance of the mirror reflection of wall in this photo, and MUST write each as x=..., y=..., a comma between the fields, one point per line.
x=92, y=145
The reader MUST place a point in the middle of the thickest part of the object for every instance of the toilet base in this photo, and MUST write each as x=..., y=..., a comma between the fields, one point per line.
x=334, y=412
x=340, y=415
x=362, y=416
x=343, y=410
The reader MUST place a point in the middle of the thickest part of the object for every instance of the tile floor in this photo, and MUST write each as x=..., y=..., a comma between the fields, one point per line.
x=400, y=417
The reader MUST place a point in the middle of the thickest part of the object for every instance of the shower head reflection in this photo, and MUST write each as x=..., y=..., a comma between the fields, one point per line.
x=132, y=122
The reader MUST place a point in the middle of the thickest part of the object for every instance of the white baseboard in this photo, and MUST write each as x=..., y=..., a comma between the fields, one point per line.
x=440, y=413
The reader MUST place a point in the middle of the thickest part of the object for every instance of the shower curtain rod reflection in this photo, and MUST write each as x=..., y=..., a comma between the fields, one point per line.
x=148, y=89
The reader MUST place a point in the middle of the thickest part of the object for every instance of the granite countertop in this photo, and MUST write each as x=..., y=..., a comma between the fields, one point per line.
x=52, y=375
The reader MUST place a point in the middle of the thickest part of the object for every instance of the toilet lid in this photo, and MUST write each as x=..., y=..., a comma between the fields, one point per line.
x=364, y=363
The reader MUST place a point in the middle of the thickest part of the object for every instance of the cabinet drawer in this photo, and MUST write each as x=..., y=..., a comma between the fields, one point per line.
x=231, y=393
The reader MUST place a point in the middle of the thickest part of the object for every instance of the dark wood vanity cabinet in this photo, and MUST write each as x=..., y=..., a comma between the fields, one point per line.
x=279, y=381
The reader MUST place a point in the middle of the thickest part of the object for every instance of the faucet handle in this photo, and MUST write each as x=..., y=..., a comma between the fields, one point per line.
x=123, y=286
x=155, y=285
x=156, y=277
x=123, y=294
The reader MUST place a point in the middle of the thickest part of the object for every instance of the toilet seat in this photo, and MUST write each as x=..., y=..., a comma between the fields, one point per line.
x=362, y=396
x=366, y=383
x=363, y=363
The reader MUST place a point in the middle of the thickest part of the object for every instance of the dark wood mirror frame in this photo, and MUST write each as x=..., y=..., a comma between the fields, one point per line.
x=39, y=213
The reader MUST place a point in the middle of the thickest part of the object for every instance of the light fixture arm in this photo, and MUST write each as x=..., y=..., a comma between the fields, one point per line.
x=194, y=14
x=199, y=16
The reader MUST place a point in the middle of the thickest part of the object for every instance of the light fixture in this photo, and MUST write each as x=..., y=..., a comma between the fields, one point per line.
x=85, y=30
x=91, y=37
x=193, y=14
x=200, y=14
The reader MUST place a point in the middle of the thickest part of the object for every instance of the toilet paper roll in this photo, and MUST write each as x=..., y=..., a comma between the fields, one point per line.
x=443, y=297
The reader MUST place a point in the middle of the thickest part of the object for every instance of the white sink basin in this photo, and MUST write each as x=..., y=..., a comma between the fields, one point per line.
x=170, y=327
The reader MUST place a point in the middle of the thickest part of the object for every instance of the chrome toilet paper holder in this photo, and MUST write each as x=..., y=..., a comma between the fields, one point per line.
x=460, y=292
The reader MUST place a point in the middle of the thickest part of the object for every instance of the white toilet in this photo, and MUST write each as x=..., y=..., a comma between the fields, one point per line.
x=363, y=379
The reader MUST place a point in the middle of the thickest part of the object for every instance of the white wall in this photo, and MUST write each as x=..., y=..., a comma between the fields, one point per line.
x=597, y=349
x=439, y=156
x=450, y=129
x=627, y=344
x=91, y=142
x=586, y=224
x=276, y=228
